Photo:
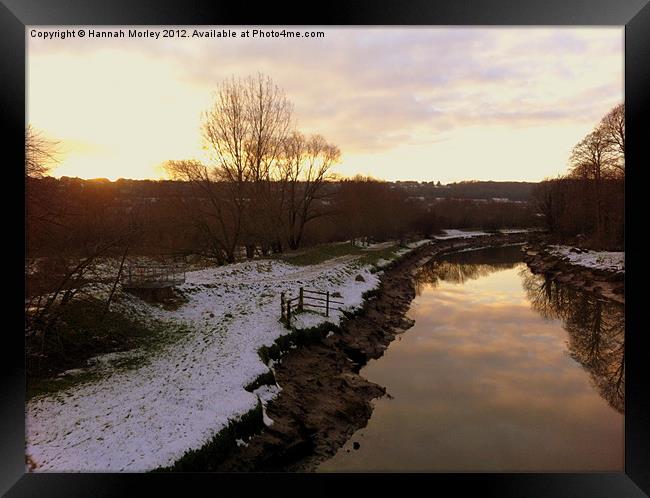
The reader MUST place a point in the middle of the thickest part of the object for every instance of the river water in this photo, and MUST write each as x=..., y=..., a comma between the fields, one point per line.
x=502, y=371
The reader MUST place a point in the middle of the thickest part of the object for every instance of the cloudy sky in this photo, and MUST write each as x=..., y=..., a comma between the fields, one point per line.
x=417, y=103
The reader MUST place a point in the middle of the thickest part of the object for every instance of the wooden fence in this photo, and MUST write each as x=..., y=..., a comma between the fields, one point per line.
x=153, y=276
x=306, y=299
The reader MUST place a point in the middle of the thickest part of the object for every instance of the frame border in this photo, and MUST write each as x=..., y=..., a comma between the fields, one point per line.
x=15, y=15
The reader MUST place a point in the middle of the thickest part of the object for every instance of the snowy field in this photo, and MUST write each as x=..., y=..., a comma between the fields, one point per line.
x=602, y=260
x=452, y=233
x=147, y=417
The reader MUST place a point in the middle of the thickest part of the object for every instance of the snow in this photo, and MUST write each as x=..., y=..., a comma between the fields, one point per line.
x=452, y=233
x=268, y=421
x=602, y=260
x=383, y=262
x=418, y=243
x=148, y=416
x=518, y=230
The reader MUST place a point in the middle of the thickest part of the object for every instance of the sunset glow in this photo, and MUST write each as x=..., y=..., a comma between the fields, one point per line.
x=444, y=104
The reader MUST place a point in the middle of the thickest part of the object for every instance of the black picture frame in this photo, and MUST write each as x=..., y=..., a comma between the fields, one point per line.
x=633, y=14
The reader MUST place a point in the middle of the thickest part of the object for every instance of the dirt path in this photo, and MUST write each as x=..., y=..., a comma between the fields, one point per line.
x=324, y=400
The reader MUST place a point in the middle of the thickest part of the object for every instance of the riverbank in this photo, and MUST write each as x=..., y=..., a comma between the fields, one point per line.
x=192, y=390
x=323, y=399
x=202, y=396
x=602, y=274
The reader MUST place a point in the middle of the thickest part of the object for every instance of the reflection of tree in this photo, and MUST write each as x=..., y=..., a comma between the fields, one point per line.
x=460, y=267
x=596, y=331
x=457, y=273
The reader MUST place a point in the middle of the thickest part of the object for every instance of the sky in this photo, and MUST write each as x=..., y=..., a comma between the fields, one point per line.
x=421, y=103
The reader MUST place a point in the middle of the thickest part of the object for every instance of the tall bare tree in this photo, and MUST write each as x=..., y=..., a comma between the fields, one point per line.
x=270, y=116
x=591, y=162
x=590, y=157
x=306, y=169
x=243, y=130
x=613, y=126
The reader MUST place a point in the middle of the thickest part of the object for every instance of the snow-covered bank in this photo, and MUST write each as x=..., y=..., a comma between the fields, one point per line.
x=149, y=416
x=601, y=260
x=452, y=233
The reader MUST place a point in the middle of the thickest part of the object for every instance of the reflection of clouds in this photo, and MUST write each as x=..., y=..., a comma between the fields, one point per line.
x=481, y=385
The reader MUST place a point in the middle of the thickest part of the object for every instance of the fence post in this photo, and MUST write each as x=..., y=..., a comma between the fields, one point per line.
x=288, y=313
x=282, y=317
x=300, y=299
x=327, y=304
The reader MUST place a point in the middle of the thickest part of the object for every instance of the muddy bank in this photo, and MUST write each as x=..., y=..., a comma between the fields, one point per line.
x=324, y=400
x=606, y=284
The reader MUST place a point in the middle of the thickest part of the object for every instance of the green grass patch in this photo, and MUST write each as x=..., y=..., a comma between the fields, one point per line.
x=264, y=379
x=317, y=254
x=42, y=387
x=296, y=337
x=323, y=252
x=83, y=331
x=372, y=257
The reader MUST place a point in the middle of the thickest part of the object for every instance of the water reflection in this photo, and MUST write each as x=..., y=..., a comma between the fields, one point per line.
x=596, y=331
x=462, y=266
x=483, y=381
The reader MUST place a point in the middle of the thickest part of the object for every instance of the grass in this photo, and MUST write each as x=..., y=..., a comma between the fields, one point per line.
x=323, y=252
x=264, y=379
x=52, y=385
x=296, y=337
x=318, y=254
x=372, y=257
x=82, y=332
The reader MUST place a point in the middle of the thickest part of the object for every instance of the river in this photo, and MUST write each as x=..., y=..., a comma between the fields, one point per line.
x=502, y=371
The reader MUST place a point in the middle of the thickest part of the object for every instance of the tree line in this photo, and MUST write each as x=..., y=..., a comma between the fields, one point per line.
x=587, y=203
x=268, y=188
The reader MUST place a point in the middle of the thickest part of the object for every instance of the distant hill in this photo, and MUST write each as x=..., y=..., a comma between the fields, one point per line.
x=513, y=191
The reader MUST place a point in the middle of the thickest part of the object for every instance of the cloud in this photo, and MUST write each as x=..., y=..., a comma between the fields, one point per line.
x=372, y=90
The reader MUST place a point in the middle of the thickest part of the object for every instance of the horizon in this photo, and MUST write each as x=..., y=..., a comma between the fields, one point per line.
x=334, y=180
x=462, y=101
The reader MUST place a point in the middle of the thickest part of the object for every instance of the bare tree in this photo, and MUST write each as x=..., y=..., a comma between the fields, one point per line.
x=591, y=162
x=613, y=125
x=40, y=153
x=244, y=130
x=549, y=201
x=268, y=115
x=266, y=181
x=215, y=218
x=590, y=157
x=305, y=170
